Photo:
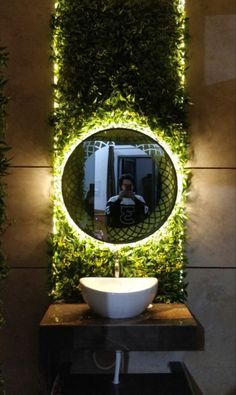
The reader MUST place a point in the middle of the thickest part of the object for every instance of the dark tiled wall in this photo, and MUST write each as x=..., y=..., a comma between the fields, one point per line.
x=211, y=247
x=24, y=29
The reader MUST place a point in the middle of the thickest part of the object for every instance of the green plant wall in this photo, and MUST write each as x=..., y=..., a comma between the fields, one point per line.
x=119, y=63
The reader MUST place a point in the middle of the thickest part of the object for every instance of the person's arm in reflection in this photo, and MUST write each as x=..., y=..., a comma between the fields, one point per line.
x=127, y=208
x=141, y=206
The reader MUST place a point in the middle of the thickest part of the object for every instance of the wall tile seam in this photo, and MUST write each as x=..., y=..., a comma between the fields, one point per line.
x=187, y=267
x=186, y=168
x=30, y=167
x=212, y=267
x=211, y=168
x=27, y=267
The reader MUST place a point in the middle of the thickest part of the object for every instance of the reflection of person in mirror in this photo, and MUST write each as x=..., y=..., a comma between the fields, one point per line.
x=127, y=208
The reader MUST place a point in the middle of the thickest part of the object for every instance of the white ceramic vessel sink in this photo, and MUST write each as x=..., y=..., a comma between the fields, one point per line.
x=121, y=297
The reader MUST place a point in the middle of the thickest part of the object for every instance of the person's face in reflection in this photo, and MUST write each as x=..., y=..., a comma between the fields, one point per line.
x=127, y=187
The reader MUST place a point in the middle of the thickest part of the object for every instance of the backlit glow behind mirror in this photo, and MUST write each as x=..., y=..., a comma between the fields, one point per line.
x=90, y=179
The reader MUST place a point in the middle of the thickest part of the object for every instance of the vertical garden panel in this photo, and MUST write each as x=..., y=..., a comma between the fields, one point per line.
x=119, y=64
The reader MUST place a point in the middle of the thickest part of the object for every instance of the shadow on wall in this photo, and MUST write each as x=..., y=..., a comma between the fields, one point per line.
x=233, y=392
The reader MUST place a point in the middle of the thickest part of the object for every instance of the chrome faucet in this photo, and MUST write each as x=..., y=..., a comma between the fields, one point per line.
x=117, y=268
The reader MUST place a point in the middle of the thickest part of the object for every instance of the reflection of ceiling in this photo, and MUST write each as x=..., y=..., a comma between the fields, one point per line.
x=128, y=150
x=91, y=146
x=150, y=149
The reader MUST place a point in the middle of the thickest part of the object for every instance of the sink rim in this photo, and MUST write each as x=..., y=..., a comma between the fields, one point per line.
x=118, y=301
x=136, y=284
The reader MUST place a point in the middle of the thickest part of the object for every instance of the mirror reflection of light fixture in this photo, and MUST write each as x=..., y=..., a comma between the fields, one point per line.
x=119, y=185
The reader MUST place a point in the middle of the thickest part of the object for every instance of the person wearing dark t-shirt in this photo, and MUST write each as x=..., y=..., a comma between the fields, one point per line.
x=127, y=208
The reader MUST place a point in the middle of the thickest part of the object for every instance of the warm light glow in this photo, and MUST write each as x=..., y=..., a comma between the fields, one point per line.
x=68, y=151
x=55, y=72
x=181, y=6
x=124, y=120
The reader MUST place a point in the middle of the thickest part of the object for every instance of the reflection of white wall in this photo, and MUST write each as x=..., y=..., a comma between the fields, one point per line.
x=101, y=162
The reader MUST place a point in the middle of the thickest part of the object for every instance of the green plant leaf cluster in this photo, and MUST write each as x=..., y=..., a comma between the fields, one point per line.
x=129, y=49
x=119, y=63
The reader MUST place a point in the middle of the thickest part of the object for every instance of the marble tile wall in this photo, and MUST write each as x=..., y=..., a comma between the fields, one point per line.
x=24, y=29
x=211, y=246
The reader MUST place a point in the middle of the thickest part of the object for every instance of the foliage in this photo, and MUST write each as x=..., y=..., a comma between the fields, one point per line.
x=119, y=64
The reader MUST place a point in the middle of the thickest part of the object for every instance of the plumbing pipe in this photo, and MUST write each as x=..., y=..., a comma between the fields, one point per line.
x=117, y=367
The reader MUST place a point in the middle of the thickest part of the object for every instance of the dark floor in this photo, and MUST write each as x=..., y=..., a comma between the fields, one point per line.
x=130, y=384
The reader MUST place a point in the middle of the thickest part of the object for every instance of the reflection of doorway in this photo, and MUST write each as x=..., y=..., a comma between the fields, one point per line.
x=128, y=166
x=111, y=182
x=149, y=190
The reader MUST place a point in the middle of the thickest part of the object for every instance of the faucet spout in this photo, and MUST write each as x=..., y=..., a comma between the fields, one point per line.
x=117, y=268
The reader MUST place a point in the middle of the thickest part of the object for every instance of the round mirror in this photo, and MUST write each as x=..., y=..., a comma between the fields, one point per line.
x=119, y=185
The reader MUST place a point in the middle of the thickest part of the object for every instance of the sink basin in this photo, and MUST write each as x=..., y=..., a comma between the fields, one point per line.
x=121, y=297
